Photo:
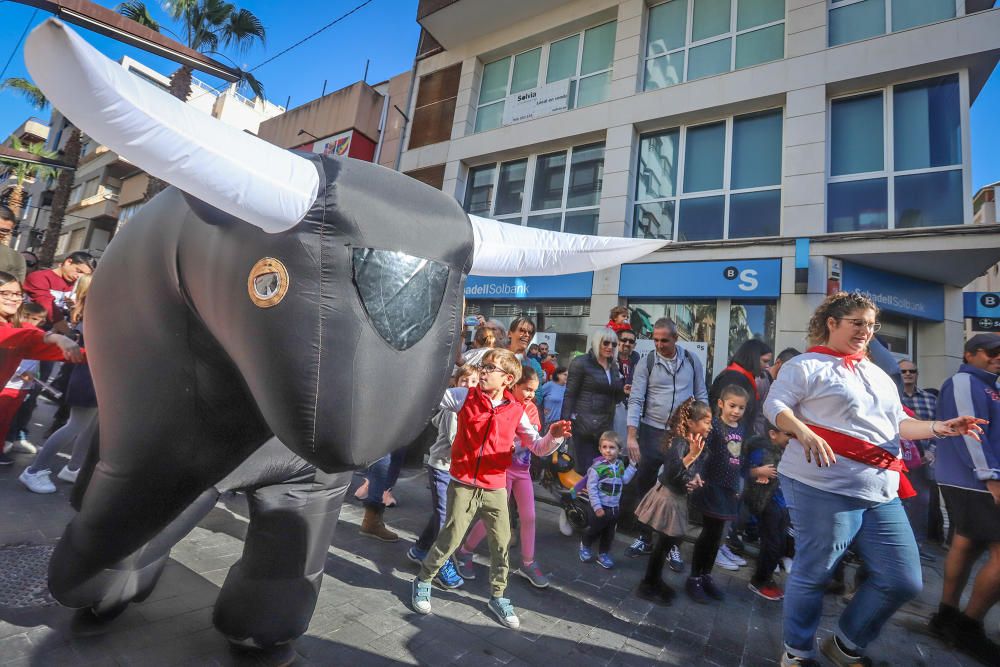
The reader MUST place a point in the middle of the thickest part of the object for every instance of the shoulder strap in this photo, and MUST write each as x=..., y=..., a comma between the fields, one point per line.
x=650, y=362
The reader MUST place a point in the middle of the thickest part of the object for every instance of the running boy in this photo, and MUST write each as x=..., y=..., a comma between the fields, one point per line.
x=489, y=419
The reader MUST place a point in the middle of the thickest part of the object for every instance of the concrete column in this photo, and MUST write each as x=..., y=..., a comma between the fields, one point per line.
x=794, y=310
x=940, y=345
x=616, y=202
x=805, y=27
x=465, y=105
x=628, y=47
x=803, y=164
x=455, y=177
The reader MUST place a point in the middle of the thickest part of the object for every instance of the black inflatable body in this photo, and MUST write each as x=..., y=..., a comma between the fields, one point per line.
x=207, y=336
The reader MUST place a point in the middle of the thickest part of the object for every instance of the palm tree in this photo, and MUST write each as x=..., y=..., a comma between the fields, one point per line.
x=23, y=171
x=70, y=157
x=206, y=24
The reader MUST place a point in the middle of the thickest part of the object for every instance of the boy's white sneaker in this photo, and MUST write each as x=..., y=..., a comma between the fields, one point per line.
x=68, y=475
x=723, y=561
x=728, y=553
x=504, y=611
x=37, y=482
x=421, y=597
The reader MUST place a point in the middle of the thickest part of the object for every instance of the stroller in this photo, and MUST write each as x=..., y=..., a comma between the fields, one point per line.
x=569, y=489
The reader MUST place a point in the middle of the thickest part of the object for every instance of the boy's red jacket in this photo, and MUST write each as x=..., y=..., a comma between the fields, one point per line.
x=484, y=444
x=19, y=344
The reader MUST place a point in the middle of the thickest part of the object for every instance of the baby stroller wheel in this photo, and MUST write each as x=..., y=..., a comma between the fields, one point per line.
x=576, y=514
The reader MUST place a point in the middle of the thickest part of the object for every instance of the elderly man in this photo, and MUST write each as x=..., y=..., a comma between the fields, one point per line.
x=968, y=472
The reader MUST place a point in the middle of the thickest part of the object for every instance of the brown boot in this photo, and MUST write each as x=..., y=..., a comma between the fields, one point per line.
x=372, y=525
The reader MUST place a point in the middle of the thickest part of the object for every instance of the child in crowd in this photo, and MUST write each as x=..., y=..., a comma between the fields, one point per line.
x=20, y=384
x=719, y=498
x=605, y=480
x=550, y=398
x=765, y=501
x=664, y=508
x=438, y=464
x=619, y=319
x=489, y=419
x=519, y=485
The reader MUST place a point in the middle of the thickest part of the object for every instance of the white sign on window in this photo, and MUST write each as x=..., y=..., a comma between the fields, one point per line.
x=537, y=102
x=697, y=348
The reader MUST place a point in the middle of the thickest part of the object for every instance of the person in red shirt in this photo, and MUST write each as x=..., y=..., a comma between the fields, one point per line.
x=52, y=288
x=17, y=343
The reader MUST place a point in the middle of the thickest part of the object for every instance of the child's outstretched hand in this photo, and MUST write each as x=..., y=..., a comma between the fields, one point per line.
x=696, y=445
x=561, y=429
x=599, y=511
x=695, y=483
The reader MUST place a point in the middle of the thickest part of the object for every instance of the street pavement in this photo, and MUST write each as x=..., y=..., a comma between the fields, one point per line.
x=588, y=616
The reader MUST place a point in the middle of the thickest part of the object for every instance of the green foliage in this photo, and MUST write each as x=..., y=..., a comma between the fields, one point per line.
x=27, y=89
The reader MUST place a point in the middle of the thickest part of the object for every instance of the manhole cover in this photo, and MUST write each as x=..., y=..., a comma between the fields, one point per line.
x=24, y=575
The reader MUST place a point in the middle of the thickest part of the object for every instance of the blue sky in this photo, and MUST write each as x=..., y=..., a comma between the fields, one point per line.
x=384, y=31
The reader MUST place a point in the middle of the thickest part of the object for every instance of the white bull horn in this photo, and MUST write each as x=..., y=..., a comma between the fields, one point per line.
x=503, y=249
x=260, y=183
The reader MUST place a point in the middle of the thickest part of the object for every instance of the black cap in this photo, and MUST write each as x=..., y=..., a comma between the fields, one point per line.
x=982, y=341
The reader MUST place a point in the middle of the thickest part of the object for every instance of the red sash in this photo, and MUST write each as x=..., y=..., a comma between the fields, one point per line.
x=742, y=371
x=867, y=453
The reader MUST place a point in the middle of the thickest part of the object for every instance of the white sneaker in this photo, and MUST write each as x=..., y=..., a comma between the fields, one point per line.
x=7, y=446
x=725, y=563
x=68, y=475
x=37, y=482
x=724, y=549
x=787, y=563
x=24, y=446
x=564, y=526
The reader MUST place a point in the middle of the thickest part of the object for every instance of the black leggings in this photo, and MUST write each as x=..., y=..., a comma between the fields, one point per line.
x=662, y=547
x=707, y=546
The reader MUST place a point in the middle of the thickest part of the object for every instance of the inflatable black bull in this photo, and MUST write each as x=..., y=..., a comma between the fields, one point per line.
x=318, y=300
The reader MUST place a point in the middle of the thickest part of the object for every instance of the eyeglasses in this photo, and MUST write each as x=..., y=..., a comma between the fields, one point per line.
x=5, y=232
x=11, y=296
x=907, y=371
x=663, y=340
x=627, y=341
x=862, y=324
x=606, y=343
x=992, y=354
x=490, y=368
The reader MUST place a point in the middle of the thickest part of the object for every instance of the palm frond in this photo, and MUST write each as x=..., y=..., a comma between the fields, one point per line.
x=32, y=93
x=136, y=10
x=242, y=30
x=249, y=82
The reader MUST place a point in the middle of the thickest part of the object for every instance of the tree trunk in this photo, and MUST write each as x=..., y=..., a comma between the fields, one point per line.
x=15, y=200
x=60, y=199
x=180, y=87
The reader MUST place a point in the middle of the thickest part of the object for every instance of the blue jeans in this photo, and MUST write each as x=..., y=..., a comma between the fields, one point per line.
x=383, y=475
x=439, y=480
x=825, y=525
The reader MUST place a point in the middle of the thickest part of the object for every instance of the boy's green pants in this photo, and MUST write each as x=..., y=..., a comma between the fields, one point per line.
x=465, y=503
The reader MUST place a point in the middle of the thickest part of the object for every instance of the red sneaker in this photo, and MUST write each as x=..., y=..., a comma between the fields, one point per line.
x=768, y=591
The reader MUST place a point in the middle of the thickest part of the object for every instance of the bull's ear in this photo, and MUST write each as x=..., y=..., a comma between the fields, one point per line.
x=503, y=249
x=255, y=181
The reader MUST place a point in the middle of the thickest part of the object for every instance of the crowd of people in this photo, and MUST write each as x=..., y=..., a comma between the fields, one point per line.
x=814, y=456
x=804, y=454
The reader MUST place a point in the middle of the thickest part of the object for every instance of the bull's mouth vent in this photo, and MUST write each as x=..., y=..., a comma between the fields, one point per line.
x=401, y=294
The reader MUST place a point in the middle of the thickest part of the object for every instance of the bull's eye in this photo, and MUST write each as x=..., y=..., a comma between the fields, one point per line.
x=401, y=293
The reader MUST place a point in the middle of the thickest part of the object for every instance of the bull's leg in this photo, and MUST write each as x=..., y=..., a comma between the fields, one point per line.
x=270, y=594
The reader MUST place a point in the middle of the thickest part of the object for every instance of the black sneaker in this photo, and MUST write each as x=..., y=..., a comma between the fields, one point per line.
x=639, y=548
x=659, y=592
x=970, y=638
x=5, y=460
x=942, y=624
x=711, y=589
x=693, y=587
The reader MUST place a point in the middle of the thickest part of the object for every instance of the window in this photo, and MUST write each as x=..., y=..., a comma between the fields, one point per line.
x=696, y=322
x=691, y=39
x=434, y=108
x=584, y=58
x=714, y=181
x=896, y=158
x=750, y=319
x=556, y=191
x=851, y=20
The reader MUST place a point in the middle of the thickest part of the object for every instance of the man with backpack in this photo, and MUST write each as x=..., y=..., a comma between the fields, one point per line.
x=667, y=377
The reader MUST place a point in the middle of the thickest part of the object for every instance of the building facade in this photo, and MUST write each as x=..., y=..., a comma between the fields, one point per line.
x=786, y=148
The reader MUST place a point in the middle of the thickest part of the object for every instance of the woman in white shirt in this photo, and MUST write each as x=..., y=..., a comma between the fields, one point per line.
x=841, y=478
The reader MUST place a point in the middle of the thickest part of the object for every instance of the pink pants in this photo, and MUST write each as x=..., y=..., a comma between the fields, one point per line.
x=520, y=487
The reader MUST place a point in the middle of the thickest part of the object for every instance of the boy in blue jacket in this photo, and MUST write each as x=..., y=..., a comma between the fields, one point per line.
x=968, y=474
